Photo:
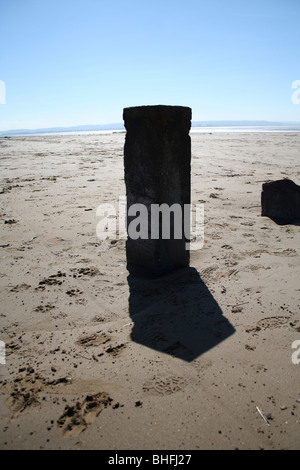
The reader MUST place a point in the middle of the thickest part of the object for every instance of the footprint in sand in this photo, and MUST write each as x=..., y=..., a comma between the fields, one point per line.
x=26, y=390
x=206, y=273
x=74, y=292
x=272, y=322
x=268, y=322
x=89, y=271
x=288, y=252
x=164, y=386
x=55, y=240
x=54, y=279
x=76, y=418
x=20, y=287
x=44, y=308
x=93, y=340
x=247, y=224
x=116, y=350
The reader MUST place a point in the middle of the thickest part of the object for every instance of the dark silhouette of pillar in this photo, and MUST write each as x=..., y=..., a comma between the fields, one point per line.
x=157, y=159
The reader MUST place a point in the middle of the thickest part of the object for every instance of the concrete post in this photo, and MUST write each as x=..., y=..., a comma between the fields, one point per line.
x=157, y=159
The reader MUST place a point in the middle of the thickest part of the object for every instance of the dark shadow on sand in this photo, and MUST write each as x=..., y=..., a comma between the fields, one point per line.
x=276, y=220
x=176, y=313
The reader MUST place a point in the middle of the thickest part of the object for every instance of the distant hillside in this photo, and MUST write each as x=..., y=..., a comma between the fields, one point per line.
x=47, y=130
x=120, y=126
x=241, y=123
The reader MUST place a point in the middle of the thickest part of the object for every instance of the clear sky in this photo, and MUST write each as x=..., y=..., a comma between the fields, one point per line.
x=72, y=62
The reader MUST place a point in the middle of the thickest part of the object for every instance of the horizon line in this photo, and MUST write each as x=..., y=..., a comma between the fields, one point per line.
x=120, y=126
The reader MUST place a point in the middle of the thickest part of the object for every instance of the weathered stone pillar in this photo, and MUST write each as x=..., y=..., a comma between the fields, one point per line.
x=280, y=200
x=157, y=159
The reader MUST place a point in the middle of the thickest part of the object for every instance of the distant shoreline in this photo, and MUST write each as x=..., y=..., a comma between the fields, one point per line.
x=196, y=126
x=194, y=130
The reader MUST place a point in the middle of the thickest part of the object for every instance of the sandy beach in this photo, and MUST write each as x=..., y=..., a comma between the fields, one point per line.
x=198, y=359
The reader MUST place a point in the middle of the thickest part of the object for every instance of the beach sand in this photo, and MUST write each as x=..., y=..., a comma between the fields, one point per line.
x=198, y=359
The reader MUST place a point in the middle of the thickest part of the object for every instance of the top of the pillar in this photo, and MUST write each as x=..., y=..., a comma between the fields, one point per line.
x=161, y=112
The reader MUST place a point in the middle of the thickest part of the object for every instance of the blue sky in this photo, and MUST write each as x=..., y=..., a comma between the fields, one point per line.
x=68, y=63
